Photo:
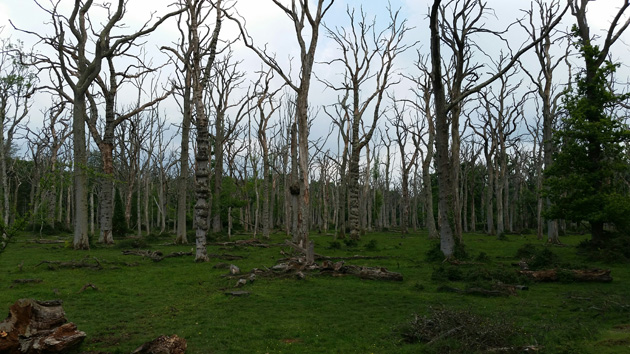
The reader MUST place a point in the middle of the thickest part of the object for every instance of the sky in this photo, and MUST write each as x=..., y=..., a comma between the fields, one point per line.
x=267, y=25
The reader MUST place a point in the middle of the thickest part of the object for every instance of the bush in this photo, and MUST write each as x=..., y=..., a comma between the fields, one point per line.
x=447, y=272
x=457, y=331
x=615, y=249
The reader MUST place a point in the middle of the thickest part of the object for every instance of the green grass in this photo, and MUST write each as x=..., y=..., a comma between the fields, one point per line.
x=138, y=299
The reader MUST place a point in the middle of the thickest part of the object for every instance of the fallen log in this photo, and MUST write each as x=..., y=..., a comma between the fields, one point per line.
x=84, y=263
x=48, y=242
x=155, y=256
x=585, y=275
x=163, y=345
x=251, y=242
x=27, y=281
x=38, y=327
x=475, y=291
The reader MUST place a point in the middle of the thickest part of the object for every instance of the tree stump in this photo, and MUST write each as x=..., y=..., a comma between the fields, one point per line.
x=38, y=327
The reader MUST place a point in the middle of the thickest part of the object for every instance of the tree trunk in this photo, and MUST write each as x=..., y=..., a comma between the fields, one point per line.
x=80, y=185
x=182, y=183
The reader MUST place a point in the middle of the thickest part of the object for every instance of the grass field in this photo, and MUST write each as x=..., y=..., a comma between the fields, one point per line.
x=139, y=299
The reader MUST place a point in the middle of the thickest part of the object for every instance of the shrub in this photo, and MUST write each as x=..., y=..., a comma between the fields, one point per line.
x=447, y=272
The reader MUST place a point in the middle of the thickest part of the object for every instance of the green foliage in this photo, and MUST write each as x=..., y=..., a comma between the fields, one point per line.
x=119, y=224
x=615, y=249
x=8, y=232
x=585, y=180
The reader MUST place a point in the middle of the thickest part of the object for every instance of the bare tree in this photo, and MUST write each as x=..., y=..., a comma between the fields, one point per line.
x=404, y=130
x=79, y=66
x=548, y=92
x=466, y=17
x=17, y=85
x=368, y=60
x=301, y=16
x=226, y=78
x=266, y=106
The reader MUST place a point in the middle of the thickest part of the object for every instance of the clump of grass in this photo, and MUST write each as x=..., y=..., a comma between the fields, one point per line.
x=132, y=243
x=456, y=331
x=482, y=257
x=372, y=245
x=350, y=242
x=334, y=245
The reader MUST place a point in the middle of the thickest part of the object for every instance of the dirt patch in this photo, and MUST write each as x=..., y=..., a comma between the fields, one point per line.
x=622, y=327
x=291, y=340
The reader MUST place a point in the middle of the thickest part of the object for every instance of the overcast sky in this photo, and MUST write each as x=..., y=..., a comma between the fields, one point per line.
x=268, y=25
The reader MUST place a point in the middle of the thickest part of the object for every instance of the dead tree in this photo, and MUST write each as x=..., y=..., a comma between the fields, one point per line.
x=463, y=21
x=225, y=79
x=548, y=92
x=423, y=103
x=266, y=106
x=79, y=66
x=405, y=130
x=109, y=86
x=301, y=15
x=368, y=60
x=17, y=85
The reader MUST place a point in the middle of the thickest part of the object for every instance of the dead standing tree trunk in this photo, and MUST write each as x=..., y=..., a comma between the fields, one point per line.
x=266, y=106
x=200, y=78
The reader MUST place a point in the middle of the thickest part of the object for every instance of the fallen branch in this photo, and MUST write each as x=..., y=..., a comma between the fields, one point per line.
x=585, y=275
x=26, y=281
x=155, y=256
x=86, y=286
x=73, y=264
x=475, y=291
x=251, y=242
x=48, y=242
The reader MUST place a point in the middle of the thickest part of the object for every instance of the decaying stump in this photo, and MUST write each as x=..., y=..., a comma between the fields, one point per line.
x=38, y=327
x=586, y=275
x=163, y=345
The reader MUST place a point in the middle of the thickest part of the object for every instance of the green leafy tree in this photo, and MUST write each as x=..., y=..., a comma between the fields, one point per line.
x=584, y=181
